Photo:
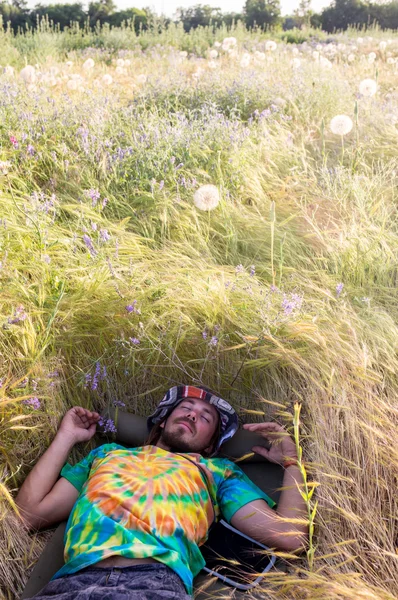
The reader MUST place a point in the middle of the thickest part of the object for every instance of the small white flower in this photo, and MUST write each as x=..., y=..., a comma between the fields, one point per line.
x=141, y=78
x=360, y=40
x=270, y=45
x=325, y=62
x=390, y=60
x=120, y=71
x=8, y=70
x=88, y=64
x=213, y=54
x=341, y=125
x=368, y=87
x=72, y=84
x=120, y=62
x=107, y=79
x=198, y=73
x=296, y=63
x=245, y=60
x=228, y=43
x=259, y=55
x=315, y=55
x=280, y=101
x=371, y=57
x=217, y=44
x=4, y=166
x=28, y=74
x=183, y=53
x=295, y=51
x=127, y=62
x=351, y=57
x=206, y=197
x=212, y=64
x=69, y=63
x=382, y=46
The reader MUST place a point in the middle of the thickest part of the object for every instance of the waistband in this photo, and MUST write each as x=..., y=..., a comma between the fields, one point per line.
x=130, y=568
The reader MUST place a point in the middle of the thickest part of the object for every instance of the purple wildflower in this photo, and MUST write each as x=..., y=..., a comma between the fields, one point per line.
x=32, y=402
x=19, y=315
x=239, y=269
x=213, y=341
x=135, y=341
x=204, y=335
x=47, y=259
x=105, y=236
x=30, y=150
x=87, y=380
x=94, y=383
x=94, y=195
x=118, y=403
x=131, y=308
x=89, y=243
x=252, y=270
x=108, y=425
x=290, y=304
x=94, y=226
x=34, y=385
x=105, y=202
x=1, y=381
x=161, y=184
x=339, y=289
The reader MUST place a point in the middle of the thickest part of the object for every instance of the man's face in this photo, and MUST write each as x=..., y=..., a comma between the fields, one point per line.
x=190, y=427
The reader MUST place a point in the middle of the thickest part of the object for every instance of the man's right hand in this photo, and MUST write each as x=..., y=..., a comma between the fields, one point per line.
x=78, y=424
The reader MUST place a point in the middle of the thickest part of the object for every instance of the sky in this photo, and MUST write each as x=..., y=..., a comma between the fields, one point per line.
x=168, y=7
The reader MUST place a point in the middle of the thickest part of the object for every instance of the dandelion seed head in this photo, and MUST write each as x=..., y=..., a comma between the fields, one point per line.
x=206, y=197
x=368, y=87
x=28, y=74
x=341, y=125
x=107, y=79
x=270, y=46
x=88, y=64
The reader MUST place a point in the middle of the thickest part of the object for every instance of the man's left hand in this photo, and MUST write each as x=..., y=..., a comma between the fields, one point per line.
x=282, y=446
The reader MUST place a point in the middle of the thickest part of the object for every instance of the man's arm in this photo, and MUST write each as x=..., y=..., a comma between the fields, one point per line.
x=287, y=527
x=42, y=499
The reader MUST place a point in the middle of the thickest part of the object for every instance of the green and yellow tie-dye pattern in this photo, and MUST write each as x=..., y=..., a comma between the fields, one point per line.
x=141, y=502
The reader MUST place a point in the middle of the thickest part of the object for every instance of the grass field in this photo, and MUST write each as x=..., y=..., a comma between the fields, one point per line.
x=116, y=283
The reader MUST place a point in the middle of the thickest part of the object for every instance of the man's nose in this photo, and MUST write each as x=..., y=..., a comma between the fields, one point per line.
x=192, y=415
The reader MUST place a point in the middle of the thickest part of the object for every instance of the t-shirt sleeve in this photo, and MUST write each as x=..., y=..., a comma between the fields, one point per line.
x=236, y=490
x=78, y=474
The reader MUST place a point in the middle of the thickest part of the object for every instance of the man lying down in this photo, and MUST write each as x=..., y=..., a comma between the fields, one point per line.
x=138, y=516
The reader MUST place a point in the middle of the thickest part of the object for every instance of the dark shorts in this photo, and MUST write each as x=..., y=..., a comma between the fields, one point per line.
x=137, y=582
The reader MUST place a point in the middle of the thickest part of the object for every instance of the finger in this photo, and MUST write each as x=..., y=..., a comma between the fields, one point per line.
x=260, y=450
x=267, y=425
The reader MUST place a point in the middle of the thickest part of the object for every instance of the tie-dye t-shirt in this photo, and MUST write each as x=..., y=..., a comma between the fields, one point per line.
x=149, y=502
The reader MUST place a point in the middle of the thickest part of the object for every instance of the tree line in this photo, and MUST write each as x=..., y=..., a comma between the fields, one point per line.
x=256, y=13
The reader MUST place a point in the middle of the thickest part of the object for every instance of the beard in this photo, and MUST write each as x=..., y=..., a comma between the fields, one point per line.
x=175, y=442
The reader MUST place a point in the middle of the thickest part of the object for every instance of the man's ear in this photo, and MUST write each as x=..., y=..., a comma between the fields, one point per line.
x=162, y=424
